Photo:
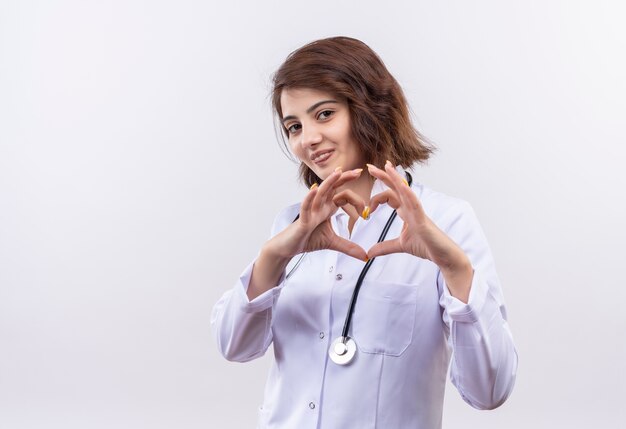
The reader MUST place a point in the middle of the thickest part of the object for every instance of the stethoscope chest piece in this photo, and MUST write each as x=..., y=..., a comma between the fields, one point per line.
x=342, y=350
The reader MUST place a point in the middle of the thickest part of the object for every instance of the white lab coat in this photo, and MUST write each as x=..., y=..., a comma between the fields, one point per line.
x=406, y=326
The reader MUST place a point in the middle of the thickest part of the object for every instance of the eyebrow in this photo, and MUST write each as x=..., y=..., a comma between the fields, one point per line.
x=310, y=109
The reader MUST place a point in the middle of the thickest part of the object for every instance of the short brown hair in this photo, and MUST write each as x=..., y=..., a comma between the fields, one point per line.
x=379, y=112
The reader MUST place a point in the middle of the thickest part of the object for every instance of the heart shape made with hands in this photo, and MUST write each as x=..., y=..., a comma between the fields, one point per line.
x=323, y=200
x=419, y=235
x=397, y=185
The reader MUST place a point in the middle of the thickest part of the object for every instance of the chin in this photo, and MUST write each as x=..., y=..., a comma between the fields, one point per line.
x=322, y=173
x=325, y=172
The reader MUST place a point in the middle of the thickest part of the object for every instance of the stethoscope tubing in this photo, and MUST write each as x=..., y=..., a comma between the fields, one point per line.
x=347, y=342
x=359, y=282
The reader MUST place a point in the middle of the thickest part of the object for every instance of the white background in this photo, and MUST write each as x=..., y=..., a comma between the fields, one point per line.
x=139, y=174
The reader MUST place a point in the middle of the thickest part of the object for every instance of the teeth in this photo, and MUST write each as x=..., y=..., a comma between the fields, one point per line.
x=321, y=157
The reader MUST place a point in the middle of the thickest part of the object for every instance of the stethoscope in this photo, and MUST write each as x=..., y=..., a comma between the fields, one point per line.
x=343, y=349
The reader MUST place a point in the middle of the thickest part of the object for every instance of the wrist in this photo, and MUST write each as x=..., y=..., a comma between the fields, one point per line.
x=286, y=244
x=460, y=263
x=272, y=250
x=458, y=277
x=267, y=270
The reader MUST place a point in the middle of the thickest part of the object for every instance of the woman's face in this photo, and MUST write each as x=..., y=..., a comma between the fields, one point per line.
x=318, y=127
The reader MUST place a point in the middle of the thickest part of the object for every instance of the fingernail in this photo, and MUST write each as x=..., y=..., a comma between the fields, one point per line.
x=370, y=166
x=366, y=213
x=313, y=186
x=358, y=171
x=405, y=182
x=338, y=169
x=389, y=163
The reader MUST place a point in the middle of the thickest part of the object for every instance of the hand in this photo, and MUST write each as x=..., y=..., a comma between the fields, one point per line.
x=420, y=236
x=313, y=231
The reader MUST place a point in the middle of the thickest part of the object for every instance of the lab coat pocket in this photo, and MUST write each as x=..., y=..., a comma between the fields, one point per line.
x=384, y=317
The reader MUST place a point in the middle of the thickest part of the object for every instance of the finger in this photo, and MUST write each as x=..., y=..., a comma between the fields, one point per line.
x=381, y=175
x=405, y=194
x=385, y=248
x=347, y=176
x=328, y=192
x=349, y=197
x=307, y=202
x=324, y=193
x=389, y=175
x=349, y=248
x=400, y=185
x=386, y=197
x=394, y=176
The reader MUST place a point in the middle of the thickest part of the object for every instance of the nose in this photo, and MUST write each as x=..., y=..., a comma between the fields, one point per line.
x=310, y=135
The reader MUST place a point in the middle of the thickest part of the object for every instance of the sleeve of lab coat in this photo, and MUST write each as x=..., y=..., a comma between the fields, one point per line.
x=243, y=328
x=484, y=359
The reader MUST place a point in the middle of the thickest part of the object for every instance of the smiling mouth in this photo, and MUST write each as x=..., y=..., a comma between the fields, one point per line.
x=321, y=157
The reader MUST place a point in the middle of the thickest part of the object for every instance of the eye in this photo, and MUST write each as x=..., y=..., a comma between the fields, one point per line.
x=325, y=114
x=293, y=128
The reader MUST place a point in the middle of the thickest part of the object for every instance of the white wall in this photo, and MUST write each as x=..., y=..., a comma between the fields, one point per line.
x=129, y=134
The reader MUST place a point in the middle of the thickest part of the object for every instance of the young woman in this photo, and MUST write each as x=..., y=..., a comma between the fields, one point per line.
x=370, y=286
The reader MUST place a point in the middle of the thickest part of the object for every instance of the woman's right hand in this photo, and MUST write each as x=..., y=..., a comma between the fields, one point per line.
x=313, y=231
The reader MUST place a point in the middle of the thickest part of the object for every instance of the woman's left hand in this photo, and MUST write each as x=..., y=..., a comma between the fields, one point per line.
x=420, y=236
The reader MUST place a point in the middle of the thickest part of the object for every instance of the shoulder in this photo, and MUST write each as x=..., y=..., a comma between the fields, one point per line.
x=285, y=217
x=443, y=209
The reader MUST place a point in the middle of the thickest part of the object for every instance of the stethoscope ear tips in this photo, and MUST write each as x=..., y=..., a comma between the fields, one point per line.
x=342, y=350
